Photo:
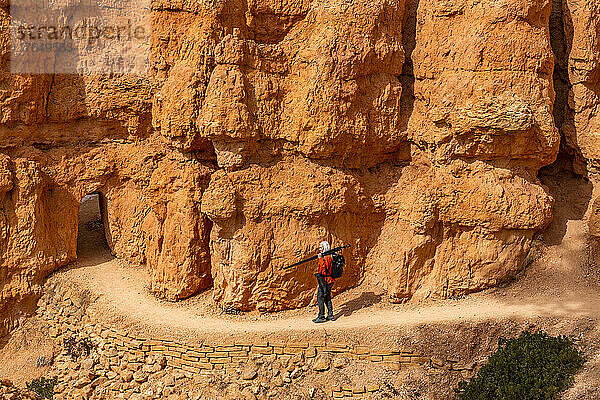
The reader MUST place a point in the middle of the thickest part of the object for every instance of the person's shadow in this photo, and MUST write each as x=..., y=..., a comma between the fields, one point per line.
x=366, y=299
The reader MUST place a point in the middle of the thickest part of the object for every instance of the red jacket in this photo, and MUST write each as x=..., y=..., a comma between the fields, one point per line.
x=325, y=265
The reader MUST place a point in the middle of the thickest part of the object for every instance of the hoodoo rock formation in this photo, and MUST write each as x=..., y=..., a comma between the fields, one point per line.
x=412, y=130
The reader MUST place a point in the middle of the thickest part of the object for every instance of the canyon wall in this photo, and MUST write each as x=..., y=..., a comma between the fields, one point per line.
x=412, y=130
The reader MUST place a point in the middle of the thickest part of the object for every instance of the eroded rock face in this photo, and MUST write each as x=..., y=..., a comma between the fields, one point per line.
x=454, y=230
x=412, y=131
x=327, y=90
x=483, y=87
x=30, y=251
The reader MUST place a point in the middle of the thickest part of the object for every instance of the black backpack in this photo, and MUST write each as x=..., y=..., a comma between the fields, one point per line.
x=337, y=267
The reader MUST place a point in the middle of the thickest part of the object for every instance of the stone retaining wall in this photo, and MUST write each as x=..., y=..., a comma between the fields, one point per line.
x=195, y=359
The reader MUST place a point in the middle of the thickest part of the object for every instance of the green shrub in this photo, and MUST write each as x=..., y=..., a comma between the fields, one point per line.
x=43, y=387
x=533, y=366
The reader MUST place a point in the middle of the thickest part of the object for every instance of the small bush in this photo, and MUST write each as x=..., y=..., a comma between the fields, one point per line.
x=77, y=347
x=530, y=367
x=43, y=387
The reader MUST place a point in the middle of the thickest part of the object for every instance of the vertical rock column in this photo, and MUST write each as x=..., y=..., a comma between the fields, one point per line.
x=33, y=241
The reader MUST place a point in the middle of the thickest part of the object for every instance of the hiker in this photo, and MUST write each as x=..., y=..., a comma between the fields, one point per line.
x=325, y=283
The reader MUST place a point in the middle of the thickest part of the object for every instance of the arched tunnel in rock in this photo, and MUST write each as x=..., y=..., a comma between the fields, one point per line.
x=91, y=234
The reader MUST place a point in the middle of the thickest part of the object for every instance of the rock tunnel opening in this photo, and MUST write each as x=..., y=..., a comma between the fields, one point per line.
x=91, y=234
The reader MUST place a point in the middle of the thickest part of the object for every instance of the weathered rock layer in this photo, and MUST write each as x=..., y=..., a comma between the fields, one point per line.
x=411, y=130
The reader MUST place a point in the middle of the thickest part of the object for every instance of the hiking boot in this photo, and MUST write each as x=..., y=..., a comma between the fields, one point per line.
x=330, y=318
x=319, y=319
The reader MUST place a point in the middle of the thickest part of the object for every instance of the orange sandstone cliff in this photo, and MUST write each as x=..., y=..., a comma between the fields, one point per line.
x=412, y=130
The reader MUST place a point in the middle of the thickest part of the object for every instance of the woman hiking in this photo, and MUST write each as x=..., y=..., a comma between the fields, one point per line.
x=325, y=283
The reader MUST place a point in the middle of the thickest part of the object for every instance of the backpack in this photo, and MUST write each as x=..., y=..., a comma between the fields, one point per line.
x=337, y=267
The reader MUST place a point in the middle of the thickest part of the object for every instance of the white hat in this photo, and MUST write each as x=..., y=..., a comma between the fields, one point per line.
x=324, y=246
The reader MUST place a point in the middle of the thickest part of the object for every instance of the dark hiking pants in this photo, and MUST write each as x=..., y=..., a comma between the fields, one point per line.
x=324, y=296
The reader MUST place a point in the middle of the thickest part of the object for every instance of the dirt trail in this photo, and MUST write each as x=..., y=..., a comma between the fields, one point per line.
x=555, y=285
